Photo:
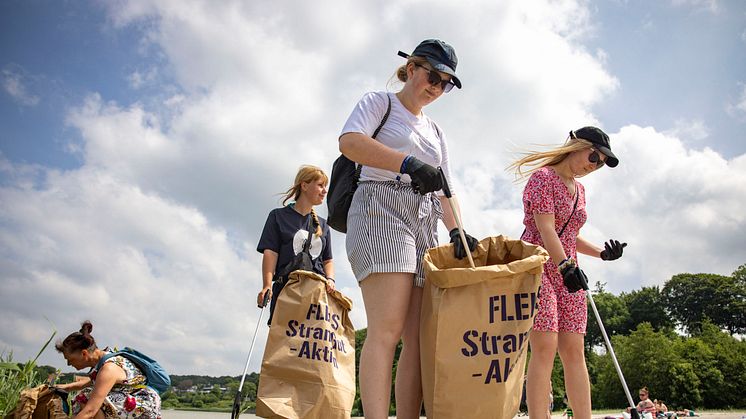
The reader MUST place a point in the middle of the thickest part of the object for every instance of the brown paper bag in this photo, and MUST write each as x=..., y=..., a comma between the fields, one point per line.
x=39, y=402
x=308, y=369
x=474, y=327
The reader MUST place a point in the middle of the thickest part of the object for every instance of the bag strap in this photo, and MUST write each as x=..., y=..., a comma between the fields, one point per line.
x=307, y=244
x=359, y=167
x=577, y=195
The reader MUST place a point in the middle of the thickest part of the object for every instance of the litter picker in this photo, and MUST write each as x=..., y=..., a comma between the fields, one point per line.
x=633, y=410
x=456, y=216
x=237, y=401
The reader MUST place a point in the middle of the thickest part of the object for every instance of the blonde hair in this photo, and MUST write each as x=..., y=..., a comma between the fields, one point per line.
x=306, y=174
x=535, y=160
x=401, y=73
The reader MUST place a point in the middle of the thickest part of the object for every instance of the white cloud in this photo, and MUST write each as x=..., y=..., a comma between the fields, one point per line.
x=15, y=84
x=689, y=130
x=86, y=245
x=153, y=237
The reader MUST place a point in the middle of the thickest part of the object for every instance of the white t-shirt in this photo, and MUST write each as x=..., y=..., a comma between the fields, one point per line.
x=419, y=135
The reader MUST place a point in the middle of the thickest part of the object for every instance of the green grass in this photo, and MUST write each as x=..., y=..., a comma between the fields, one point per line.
x=15, y=377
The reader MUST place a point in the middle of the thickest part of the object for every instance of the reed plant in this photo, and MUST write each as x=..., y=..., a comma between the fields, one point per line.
x=14, y=377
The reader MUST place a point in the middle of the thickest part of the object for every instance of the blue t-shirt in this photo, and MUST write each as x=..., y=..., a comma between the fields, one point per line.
x=286, y=230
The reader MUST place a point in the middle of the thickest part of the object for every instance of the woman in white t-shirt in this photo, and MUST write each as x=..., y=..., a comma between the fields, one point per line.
x=393, y=219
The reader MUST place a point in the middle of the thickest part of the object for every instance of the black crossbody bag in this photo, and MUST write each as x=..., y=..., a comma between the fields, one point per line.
x=302, y=261
x=343, y=184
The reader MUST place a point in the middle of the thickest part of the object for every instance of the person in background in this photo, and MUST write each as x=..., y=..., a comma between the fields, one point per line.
x=286, y=231
x=646, y=407
x=393, y=220
x=554, y=212
x=660, y=408
x=568, y=409
x=116, y=390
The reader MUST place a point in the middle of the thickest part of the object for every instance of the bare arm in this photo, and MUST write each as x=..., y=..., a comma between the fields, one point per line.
x=329, y=268
x=269, y=264
x=76, y=385
x=108, y=375
x=587, y=248
x=366, y=151
x=329, y=272
x=545, y=224
x=448, y=218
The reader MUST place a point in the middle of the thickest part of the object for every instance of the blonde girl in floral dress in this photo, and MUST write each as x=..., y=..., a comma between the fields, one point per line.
x=554, y=212
x=117, y=390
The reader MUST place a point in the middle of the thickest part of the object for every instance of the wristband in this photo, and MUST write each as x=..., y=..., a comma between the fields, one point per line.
x=404, y=163
x=569, y=261
x=330, y=279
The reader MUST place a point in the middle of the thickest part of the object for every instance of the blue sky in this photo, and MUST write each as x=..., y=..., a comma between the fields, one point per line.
x=675, y=63
x=142, y=144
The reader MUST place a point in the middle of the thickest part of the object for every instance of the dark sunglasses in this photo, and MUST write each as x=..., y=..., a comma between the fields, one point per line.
x=596, y=158
x=434, y=78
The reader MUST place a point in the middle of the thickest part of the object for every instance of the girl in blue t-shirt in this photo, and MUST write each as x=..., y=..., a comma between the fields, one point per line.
x=286, y=231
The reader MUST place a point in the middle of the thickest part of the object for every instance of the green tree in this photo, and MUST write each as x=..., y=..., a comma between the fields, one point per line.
x=696, y=297
x=646, y=305
x=728, y=354
x=701, y=357
x=647, y=359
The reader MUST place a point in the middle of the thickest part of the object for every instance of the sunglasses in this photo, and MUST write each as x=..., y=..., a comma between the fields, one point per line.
x=434, y=78
x=595, y=157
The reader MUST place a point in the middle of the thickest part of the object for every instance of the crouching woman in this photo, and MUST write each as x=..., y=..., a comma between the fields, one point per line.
x=115, y=390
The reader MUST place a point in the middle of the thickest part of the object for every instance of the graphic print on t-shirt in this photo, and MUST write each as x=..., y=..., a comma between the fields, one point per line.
x=300, y=237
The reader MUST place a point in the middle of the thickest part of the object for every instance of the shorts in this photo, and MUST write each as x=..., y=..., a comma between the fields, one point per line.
x=559, y=310
x=389, y=228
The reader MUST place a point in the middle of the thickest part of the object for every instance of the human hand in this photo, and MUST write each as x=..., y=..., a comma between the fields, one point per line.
x=261, y=300
x=330, y=284
x=425, y=178
x=458, y=245
x=574, y=278
x=612, y=250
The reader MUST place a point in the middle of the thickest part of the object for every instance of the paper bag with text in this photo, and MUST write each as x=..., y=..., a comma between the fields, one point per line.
x=308, y=369
x=474, y=327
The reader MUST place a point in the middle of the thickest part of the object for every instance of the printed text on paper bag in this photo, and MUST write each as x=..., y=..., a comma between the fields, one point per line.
x=499, y=348
x=319, y=342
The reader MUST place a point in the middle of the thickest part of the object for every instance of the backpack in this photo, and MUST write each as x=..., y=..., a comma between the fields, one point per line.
x=343, y=184
x=157, y=377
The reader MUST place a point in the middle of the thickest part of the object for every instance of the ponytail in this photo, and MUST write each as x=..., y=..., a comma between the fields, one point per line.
x=77, y=341
x=316, y=224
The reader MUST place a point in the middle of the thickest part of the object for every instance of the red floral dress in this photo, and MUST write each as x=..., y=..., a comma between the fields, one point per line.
x=131, y=399
x=545, y=193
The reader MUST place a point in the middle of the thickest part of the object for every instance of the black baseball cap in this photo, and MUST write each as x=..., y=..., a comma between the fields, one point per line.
x=440, y=55
x=600, y=142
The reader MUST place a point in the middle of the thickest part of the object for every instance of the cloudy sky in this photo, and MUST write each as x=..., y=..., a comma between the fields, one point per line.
x=142, y=144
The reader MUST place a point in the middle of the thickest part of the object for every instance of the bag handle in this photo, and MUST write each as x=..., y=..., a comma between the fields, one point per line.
x=359, y=167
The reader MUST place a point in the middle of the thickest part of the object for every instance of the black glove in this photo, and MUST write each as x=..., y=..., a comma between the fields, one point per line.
x=458, y=246
x=425, y=178
x=612, y=250
x=574, y=278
